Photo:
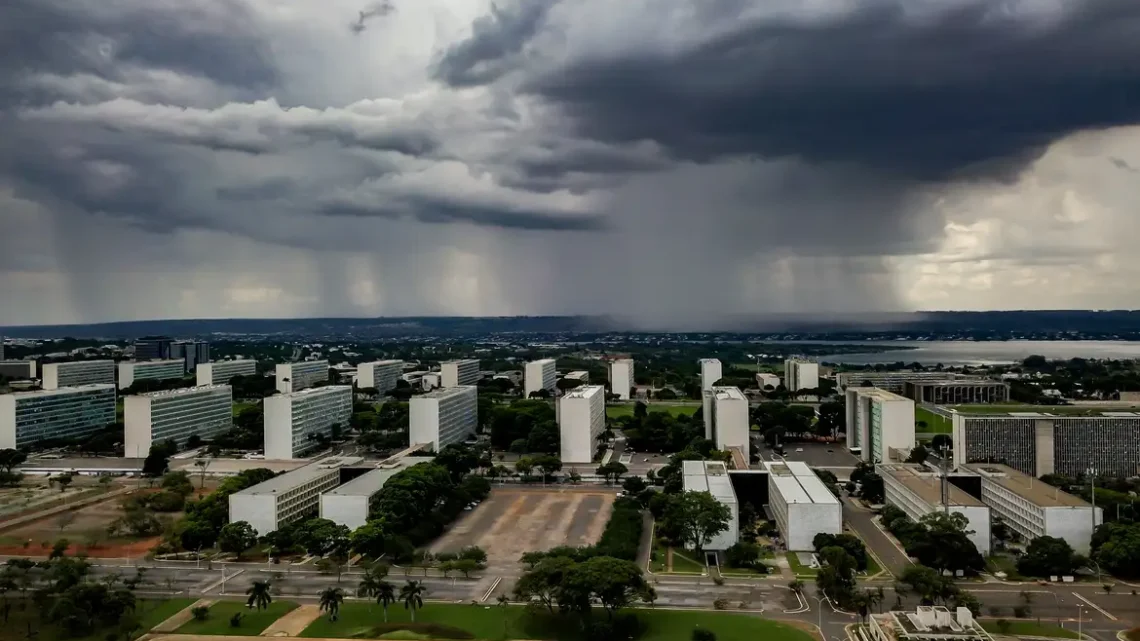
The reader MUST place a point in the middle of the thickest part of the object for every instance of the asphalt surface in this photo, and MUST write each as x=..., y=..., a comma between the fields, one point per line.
x=861, y=520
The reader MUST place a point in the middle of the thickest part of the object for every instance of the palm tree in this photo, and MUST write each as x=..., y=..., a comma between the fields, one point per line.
x=385, y=595
x=373, y=577
x=259, y=596
x=412, y=594
x=504, y=601
x=331, y=598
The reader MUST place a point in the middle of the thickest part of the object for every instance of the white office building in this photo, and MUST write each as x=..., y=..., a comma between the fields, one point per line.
x=131, y=371
x=294, y=377
x=727, y=421
x=712, y=477
x=289, y=497
x=175, y=415
x=766, y=379
x=621, y=378
x=918, y=490
x=18, y=369
x=711, y=372
x=444, y=416
x=27, y=418
x=1033, y=508
x=222, y=372
x=538, y=375
x=802, y=504
x=381, y=375
x=581, y=418
x=877, y=422
x=578, y=375
x=458, y=373
x=293, y=420
x=351, y=503
x=76, y=373
x=800, y=374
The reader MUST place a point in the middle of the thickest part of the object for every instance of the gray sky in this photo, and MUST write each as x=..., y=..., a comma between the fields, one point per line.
x=667, y=161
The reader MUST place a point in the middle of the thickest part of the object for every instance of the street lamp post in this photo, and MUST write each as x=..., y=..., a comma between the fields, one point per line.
x=1080, y=619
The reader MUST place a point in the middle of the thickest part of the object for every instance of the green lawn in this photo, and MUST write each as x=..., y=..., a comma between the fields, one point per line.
x=617, y=411
x=935, y=423
x=150, y=614
x=493, y=623
x=1007, y=564
x=1030, y=629
x=238, y=407
x=681, y=561
x=872, y=567
x=252, y=622
x=799, y=568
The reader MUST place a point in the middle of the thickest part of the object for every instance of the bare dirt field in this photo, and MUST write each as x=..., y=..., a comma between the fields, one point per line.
x=516, y=520
x=85, y=527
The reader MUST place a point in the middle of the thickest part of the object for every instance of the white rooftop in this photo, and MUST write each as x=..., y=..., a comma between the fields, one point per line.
x=708, y=476
x=290, y=480
x=725, y=393
x=445, y=392
x=586, y=391
x=185, y=391
x=63, y=390
x=315, y=391
x=370, y=483
x=797, y=483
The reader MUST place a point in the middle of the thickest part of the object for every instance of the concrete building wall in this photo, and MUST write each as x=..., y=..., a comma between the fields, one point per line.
x=806, y=520
x=294, y=377
x=621, y=378
x=348, y=510
x=176, y=415
x=539, y=375
x=581, y=418
x=459, y=373
x=731, y=419
x=259, y=510
x=76, y=373
x=221, y=372
x=443, y=417
x=1073, y=524
x=800, y=375
x=291, y=419
x=131, y=371
x=27, y=418
x=711, y=372
x=381, y=375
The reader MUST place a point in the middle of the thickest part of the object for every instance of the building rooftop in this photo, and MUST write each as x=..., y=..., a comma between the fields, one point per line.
x=290, y=480
x=544, y=360
x=461, y=360
x=314, y=391
x=390, y=361
x=169, y=361
x=881, y=394
x=63, y=391
x=709, y=360
x=798, y=483
x=101, y=361
x=931, y=622
x=580, y=374
x=728, y=393
x=1027, y=487
x=584, y=391
x=370, y=482
x=957, y=382
x=185, y=391
x=708, y=476
x=927, y=485
x=445, y=392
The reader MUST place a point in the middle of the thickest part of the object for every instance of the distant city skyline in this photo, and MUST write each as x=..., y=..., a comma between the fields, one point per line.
x=672, y=163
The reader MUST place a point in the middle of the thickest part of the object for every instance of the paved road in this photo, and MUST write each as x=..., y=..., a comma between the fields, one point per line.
x=862, y=521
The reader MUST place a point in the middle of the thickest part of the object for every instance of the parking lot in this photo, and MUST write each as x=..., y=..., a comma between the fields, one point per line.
x=516, y=520
x=825, y=455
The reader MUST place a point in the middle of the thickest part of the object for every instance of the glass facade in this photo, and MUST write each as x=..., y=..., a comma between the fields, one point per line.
x=61, y=414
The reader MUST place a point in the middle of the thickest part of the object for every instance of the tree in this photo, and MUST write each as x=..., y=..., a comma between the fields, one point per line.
x=158, y=460
x=178, y=483
x=524, y=466
x=634, y=485
x=458, y=459
x=331, y=598
x=696, y=517
x=918, y=454
x=503, y=601
x=259, y=595
x=543, y=581
x=63, y=480
x=612, y=471
x=544, y=438
x=836, y=578
x=615, y=583
x=743, y=554
x=385, y=596
x=1048, y=556
x=547, y=466
x=237, y=537
x=10, y=458
x=412, y=594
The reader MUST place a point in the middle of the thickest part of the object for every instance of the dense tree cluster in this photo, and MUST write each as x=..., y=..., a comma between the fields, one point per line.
x=68, y=597
x=1116, y=547
x=689, y=519
x=648, y=431
x=205, y=518
x=1049, y=556
x=939, y=540
x=570, y=588
x=934, y=588
x=525, y=426
x=849, y=543
x=867, y=484
x=381, y=431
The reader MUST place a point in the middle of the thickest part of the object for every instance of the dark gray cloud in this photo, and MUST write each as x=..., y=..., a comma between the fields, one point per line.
x=979, y=85
x=444, y=211
x=374, y=10
x=1120, y=163
x=495, y=43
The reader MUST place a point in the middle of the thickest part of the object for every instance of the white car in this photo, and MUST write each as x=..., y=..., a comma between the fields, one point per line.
x=799, y=449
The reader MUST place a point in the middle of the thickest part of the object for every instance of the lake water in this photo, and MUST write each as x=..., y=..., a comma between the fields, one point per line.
x=986, y=352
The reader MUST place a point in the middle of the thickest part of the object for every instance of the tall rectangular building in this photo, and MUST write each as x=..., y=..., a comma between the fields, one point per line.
x=539, y=375
x=76, y=373
x=294, y=377
x=192, y=353
x=1033, y=508
x=581, y=418
x=153, y=348
x=288, y=497
x=458, y=373
x=802, y=504
x=293, y=420
x=131, y=371
x=621, y=378
x=712, y=477
x=727, y=423
x=222, y=372
x=918, y=491
x=27, y=418
x=18, y=369
x=444, y=416
x=800, y=375
x=877, y=421
x=380, y=375
x=711, y=372
x=175, y=415
x=1039, y=443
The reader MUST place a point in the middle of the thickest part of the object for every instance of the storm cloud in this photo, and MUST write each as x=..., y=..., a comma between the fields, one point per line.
x=674, y=163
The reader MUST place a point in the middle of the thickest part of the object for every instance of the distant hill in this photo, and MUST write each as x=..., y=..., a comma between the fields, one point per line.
x=1056, y=325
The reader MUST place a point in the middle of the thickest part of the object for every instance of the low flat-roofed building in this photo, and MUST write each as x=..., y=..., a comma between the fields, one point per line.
x=802, y=504
x=67, y=413
x=712, y=477
x=918, y=491
x=222, y=372
x=894, y=381
x=131, y=371
x=351, y=503
x=766, y=379
x=956, y=391
x=578, y=375
x=288, y=497
x=1033, y=508
x=76, y=373
x=83, y=466
x=927, y=623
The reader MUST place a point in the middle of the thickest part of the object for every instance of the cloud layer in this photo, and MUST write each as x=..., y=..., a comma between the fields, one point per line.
x=674, y=162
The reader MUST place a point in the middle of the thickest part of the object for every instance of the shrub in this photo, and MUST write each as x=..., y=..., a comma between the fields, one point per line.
x=425, y=630
x=235, y=620
x=201, y=613
x=701, y=634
